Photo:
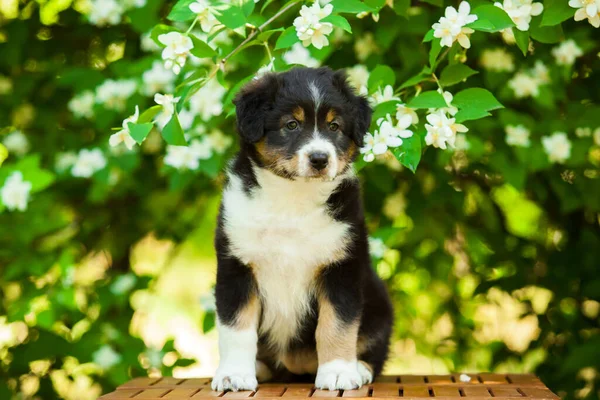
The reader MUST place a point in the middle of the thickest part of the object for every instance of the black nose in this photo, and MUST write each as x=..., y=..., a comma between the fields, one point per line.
x=318, y=160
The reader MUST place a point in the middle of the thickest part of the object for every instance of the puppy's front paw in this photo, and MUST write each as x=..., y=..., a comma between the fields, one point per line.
x=234, y=381
x=365, y=372
x=338, y=374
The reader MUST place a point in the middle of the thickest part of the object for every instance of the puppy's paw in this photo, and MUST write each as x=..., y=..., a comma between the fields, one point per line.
x=338, y=374
x=234, y=381
x=365, y=372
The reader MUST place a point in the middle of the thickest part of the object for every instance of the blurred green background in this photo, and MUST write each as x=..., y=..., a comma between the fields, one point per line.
x=491, y=252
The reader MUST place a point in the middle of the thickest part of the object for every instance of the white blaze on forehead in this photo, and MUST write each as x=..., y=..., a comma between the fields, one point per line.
x=316, y=97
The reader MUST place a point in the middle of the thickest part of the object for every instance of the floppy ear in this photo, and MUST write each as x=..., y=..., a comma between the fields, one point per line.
x=361, y=110
x=252, y=103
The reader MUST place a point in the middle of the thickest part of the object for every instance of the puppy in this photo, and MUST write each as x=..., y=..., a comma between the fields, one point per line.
x=296, y=293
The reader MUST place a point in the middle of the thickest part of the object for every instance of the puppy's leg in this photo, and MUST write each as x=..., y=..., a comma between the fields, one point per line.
x=337, y=330
x=238, y=311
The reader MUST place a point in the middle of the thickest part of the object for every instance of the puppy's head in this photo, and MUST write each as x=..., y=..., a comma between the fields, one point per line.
x=304, y=123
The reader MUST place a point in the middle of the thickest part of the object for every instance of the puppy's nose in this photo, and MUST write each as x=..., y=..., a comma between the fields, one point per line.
x=318, y=160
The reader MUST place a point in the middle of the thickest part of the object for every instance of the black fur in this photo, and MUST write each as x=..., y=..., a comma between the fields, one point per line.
x=350, y=285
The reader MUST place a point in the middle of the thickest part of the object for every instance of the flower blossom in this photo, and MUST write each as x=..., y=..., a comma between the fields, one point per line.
x=386, y=136
x=88, y=162
x=451, y=27
x=15, y=192
x=587, y=9
x=567, y=52
x=124, y=135
x=557, y=146
x=517, y=136
x=521, y=11
x=176, y=51
x=310, y=29
x=299, y=55
x=205, y=14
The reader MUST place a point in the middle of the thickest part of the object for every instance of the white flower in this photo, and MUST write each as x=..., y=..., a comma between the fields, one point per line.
x=405, y=114
x=218, y=141
x=451, y=27
x=65, y=161
x=358, y=76
x=148, y=44
x=557, y=146
x=105, y=12
x=105, y=357
x=517, y=136
x=202, y=149
x=205, y=14
x=377, y=247
x=181, y=157
x=114, y=94
x=583, y=132
x=498, y=60
x=15, y=192
x=597, y=136
x=82, y=105
x=186, y=118
x=387, y=136
x=385, y=94
x=464, y=378
x=299, y=55
x=177, y=49
x=540, y=72
x=265, y=69
x=461, y=143
x=521, y=11
x=167, y=101
x=587, y=9
x=16, y=143
x=310, y=29
x=448, y=97
x=157, y=79
x=5, y=85
x=567, y=52
x=124, y=136
x=206, y=102
x=439, y=130
x=446, y=30
x=524, y=85
x=88, y=162
x=367, y=149
x=364, y=46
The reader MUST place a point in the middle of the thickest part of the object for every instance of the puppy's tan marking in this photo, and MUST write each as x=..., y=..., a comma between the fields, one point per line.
x=336, y=339
x=298, y=113
x=247, y=317
x=331, y=114
x=301, y=361
x=346, y=158
x=276, y=160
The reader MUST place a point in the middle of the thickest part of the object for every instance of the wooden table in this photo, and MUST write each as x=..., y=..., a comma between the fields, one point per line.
x=444, y=387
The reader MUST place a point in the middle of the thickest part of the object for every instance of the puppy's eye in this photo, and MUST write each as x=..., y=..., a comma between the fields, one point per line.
x=334, y=126
x=292, y=125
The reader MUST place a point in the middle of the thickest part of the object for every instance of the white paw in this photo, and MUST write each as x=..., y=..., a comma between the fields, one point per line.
x=234, y=381
x=365, y=373
x=338, y=374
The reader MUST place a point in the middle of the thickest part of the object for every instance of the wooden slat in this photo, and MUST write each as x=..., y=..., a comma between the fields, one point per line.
x=538, y=393
x=298, y=391
x=325, y=393
x=412, y=379
x=151, y=393
x=505, y=392
x=492, y=378
x=386, y=390
x=269, y=391
x=121, y=394
x=440, y=379
x=447, y=391
x=476, y=391
x=362, y=392
x=207, y=392
x=180, y=394
x=387, y=379
x=415, y=391
x=138, y=383
x=524, y=379
x=194, y=383
x=238, y=395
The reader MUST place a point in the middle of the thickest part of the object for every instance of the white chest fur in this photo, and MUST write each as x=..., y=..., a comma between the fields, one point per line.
x=283, y=231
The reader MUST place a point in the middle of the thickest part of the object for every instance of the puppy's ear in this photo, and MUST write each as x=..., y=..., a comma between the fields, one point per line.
x=252, y=103
x=361, y=110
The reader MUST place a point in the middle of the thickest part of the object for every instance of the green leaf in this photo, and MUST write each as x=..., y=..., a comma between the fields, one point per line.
x=555, y=12
x=401, y=7
x=172, y=132
x=437, y=3
x=436, y=48
x=428, y=36
x=161, y=29
x=149, y=114
x=381, y=76
x=490, y=19
x=139, y=132
x=3, y=153
x=248, y=7
x=208, y=322
x=266, y=35
x=201, y=49
x=424, y=75
x=339, y=21
x=351, y=6
x=383, y=109
x=470, y=114
x=545, y=34
x=181, y=11
x=476, y=98
x=287, y=39
x=456, y=73
x=522, y=39
x=409, y=154
x=232, y=17
x=430, y=99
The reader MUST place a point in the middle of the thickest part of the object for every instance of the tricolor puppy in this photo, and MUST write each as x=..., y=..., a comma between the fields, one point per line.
x=295, y=291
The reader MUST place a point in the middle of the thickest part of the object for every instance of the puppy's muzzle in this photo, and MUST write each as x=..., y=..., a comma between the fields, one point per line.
x=318, y=160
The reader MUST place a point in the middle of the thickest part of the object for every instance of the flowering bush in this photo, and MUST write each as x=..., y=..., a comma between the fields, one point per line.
x=480, y=174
